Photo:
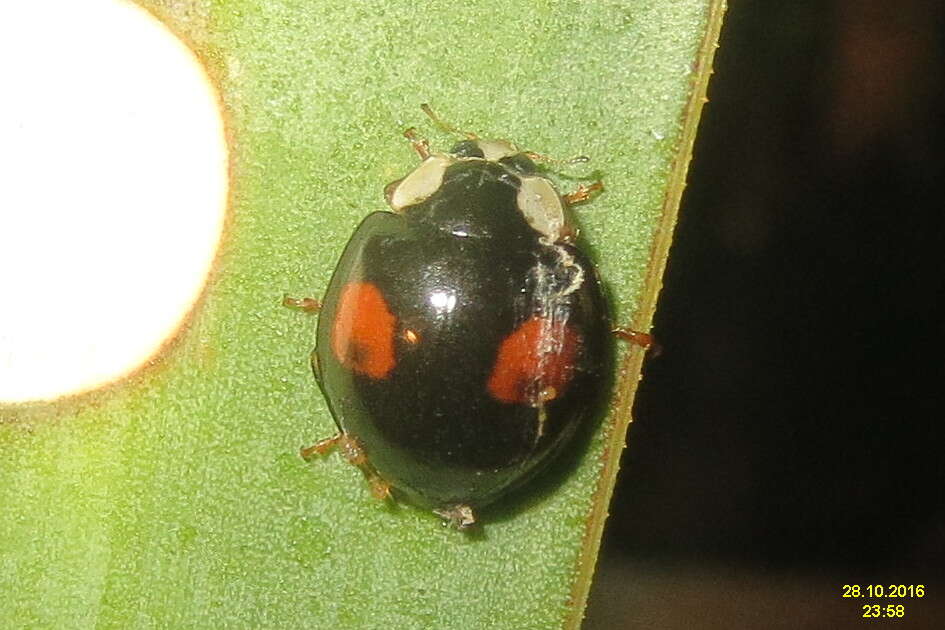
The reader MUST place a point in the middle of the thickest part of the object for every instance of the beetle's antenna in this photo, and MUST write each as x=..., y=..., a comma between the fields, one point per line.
x=538, y=157
x=444, y=125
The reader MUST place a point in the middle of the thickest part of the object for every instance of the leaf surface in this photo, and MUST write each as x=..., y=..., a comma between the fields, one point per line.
x=177, y=497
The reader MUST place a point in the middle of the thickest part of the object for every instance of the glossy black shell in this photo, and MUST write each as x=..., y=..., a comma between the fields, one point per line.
x=430, y=427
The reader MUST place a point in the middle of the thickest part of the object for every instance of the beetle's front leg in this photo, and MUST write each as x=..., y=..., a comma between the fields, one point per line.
x=583, y=193
x=420, y=145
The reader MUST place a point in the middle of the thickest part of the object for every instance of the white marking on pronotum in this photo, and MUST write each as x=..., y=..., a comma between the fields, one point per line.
x=541, y=206
x=422, y=182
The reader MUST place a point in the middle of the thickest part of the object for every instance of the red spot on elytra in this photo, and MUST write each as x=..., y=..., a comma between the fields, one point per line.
x=362, y=335
x=535, y=362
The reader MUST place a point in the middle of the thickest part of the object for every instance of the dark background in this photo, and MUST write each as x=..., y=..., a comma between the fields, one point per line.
x=787, y=440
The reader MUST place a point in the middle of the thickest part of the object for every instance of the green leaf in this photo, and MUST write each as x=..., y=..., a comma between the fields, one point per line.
x=177, y=498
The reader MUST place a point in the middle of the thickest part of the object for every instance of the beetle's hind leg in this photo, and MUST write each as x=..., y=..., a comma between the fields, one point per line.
x=354, y=453
x=459, y=516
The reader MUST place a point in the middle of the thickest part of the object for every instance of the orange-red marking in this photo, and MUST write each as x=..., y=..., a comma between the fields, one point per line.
x=362, y=336
x=535, y=362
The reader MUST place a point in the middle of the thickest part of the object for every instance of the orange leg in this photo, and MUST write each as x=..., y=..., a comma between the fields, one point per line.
x=355, y=455
x=309, y=305
x=420, y=145
x=321, y=447
x=583, y=193
x=642, y=339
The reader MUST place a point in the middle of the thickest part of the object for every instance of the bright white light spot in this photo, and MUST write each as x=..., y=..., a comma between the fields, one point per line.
x=113, y=185
x=442, y=301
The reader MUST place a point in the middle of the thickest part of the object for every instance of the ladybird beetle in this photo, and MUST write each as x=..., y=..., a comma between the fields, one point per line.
x=464, y=337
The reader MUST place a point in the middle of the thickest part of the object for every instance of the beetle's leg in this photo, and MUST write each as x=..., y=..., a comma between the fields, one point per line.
x=642, y=339
x=380, y=489
x=460, y=516
x=355, y=455
x=353, y=452
x=420, y=145
x=321, y=447
x=316, y=366
x=583, y=193
x=309, y=305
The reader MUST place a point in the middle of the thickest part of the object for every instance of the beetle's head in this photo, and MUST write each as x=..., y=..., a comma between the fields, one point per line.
x=501, y=151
